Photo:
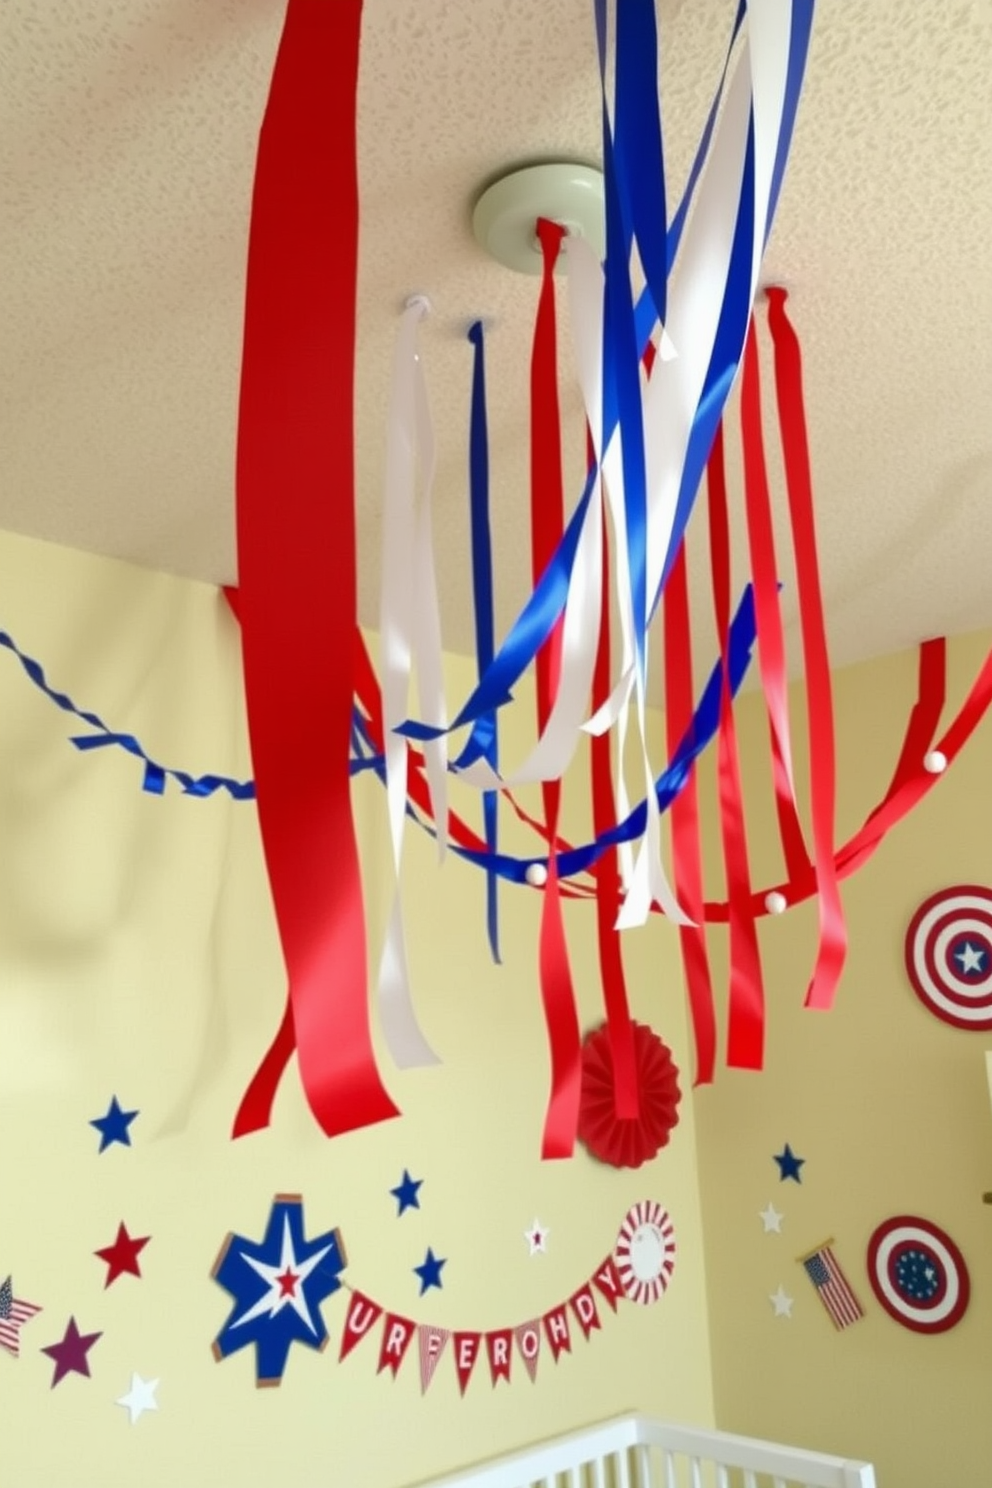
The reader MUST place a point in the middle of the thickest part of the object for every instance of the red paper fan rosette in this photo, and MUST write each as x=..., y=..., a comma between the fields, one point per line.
x=628, y=1144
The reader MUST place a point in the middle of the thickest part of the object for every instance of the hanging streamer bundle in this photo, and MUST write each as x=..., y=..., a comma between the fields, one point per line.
x=654, y=370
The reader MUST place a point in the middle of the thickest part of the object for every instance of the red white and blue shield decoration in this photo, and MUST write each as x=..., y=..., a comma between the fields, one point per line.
x=645, y=1252
x=949, y=955
x=918, y=1274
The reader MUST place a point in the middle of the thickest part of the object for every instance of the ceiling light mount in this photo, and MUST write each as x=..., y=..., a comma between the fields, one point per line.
x=505, y=217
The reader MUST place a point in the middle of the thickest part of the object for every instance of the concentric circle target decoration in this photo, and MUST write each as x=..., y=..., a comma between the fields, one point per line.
x=949, y=955
x=644, y=1253
x=918, y=1274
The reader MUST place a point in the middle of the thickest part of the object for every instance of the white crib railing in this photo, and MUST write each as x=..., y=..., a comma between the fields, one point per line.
x=636, y=1452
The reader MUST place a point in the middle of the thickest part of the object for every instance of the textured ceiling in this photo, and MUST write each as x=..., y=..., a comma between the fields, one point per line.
x=129, y=131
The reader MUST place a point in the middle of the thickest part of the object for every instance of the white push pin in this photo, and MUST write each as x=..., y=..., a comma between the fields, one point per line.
x=776, y=903
x=935, y=762
x=536, y=875
x=420, y=302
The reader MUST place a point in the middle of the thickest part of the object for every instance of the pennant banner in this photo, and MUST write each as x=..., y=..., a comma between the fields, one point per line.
x=528, y=1337
x=432, y=1346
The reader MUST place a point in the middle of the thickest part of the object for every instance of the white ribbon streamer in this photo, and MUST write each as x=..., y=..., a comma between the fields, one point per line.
x=406, y=610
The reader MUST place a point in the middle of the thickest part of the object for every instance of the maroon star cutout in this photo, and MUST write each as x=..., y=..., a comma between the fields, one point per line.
x=70, y=1354
x=287, y=1283
x=122, y=1256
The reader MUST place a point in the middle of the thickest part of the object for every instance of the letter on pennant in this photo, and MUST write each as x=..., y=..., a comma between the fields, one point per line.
x=466, y=1353
x=362, y=1313
x=499, y=1346
x=556, y=1332
x=584, y=1308
x=607, y=1281
x=528, y=1337
x=432, y=1343
x=396, y=1335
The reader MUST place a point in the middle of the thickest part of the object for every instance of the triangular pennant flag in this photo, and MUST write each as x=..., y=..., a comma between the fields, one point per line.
x=528, y=1337
x=556, y=1331
x=362, y=1313
x=396, y=1335
x=584, y=1307
x=606, y=1279
x=432, y=1342
x=499, y=1347
x=466, y=1353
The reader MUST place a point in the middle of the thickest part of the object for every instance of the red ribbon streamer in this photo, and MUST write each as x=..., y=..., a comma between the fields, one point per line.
x=832, y=950
x=626, y=1096
x=547, y=523
x=771, y=638
x=295, y=516
x=746, y=1014
x=684, y=818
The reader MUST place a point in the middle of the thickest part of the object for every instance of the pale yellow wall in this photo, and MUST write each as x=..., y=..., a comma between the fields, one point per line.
x=138, y=956
x=890, y=1108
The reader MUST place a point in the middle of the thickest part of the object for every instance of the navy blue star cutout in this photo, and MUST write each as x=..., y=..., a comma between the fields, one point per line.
x=277, y=1286
x=114, y=1126
x=789, y=1165
x=429, y=1271
x=405, y=1192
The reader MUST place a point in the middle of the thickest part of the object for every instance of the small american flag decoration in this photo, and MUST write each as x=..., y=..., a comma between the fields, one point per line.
x=14, y=1313
x=832, y=1286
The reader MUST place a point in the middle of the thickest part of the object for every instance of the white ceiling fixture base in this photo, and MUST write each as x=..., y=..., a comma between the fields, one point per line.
x=505, y=217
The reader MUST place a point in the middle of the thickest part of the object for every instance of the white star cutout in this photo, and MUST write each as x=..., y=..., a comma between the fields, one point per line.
x=771, y=1219
x=537, y=1238
x=970, y=957
x=279, y=1296
x=781, y=1303
x=140, y=1397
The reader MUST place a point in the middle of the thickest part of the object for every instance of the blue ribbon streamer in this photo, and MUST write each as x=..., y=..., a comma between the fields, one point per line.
x=155, y=775
x=486, y=743
x=547, y=602
x=366, y=758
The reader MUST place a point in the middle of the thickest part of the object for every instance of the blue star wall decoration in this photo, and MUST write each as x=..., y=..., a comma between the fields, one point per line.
x=405, y=1193
x=789, y=1165
x=429, y=1271
x=114, y=1126
x=277, y=1286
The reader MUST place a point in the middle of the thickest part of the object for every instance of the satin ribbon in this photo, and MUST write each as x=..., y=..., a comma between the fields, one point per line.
x=575, y=860
x=606, y=869
x=911, y=781
x=405, y=590
x=832, y=949
x=746, y=1014
x=771, y=637
x=547, y=521
x=684, y=822
x=484, y=744
x=575, y=632
x=295, y=517
x=734, y=188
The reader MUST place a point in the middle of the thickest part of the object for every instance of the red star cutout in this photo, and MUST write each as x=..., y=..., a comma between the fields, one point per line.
x=122, y=1256
x=287, y=1283
x=70, y=1354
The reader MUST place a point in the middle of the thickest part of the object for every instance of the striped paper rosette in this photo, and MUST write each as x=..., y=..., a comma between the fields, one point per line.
x=645, y=1252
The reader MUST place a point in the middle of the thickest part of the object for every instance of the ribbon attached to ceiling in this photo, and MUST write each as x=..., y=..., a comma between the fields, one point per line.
x=295, y=507
x=409, y=629
x=547, y=520
x=832, y=949
x=746, y=1012
x=486, y=735
x=734, y=184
